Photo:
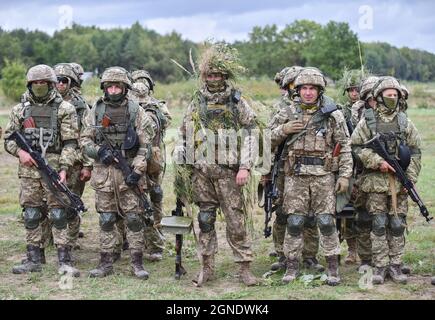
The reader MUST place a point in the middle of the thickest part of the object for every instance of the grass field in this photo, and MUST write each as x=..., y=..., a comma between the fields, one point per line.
x=420, y=245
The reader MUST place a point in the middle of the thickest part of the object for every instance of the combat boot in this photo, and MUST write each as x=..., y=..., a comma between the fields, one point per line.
x=43, y=261
x=352, y=256
x=292, y=270
x=313, y=264
x=246, y=275
x=333, y=277
x=105, y=267
x=153, y=257
x=207, y=271
x=116, y=256
x=65, y=264
x=432, y=281
x=32, y=263
x=279, y=265
x=405, y=269
x=379, y=275
x=364, y=264
x=395, y=272
x=137, y=264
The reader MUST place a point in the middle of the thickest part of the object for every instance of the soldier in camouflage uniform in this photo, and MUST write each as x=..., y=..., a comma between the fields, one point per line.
x=50, y=126
x=122, y=121
x=160, y=115
x=81, y=171
x=363, y=222
x=311, y=233
x=387, y=202
x=311, y=129
x=351, y=89
x=218, y=186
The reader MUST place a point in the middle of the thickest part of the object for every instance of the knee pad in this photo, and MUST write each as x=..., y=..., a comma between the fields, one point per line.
x=107, y=221
x=326, y=224
x=310, y=222
x=70, y=214
x=295, y=224
x=134, y=222
x=397, y=225
x=156, y=194
x=58, y=216
x=281, y=218
x=363, y=221
x=32, y=217
x=379, y=224
x=206, y=220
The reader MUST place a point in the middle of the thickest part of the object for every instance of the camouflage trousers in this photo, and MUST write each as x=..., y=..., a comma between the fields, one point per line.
x=78, y=187
x=34, y=193
x=215, y=187
x=120, y=205
x=311, y=233
x=363, y=227
x=310, y=195
x=153, y=239
x=387, y=248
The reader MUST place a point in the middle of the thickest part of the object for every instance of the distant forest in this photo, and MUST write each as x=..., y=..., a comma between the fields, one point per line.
x=330, y=47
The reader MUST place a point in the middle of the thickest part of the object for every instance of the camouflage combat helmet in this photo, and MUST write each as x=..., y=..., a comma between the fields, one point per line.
x=140, y=91
x=405, y=92
x=311, y=76
x=291, y=75
x=41, y=72
x=66, y=70
x=220, y=58
x=115, y=74
x=78, y=69
x=279, y=76
x=143, y=74
x=384, y=83
x=351, y=79
x=366, y=87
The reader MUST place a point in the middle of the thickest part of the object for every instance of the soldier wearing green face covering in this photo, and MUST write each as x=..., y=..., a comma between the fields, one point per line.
x=387, y=201
x=49, y=124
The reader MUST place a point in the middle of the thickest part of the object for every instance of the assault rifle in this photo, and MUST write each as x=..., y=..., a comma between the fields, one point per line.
x=377, y=146
x=49, y=175
x=122, y=164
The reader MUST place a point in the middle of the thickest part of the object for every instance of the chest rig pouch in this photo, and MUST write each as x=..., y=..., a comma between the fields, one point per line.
x=314, y=147
x=392, y=135
x=40, y=126
x=118, y=125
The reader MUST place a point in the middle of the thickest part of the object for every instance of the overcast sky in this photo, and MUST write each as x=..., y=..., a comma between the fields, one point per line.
x=398, y=22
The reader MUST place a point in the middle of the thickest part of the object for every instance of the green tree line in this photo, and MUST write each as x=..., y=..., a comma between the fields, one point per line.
x=268, y=49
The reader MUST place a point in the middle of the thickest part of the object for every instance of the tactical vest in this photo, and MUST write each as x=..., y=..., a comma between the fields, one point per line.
x=393, y=133
x=121, y=118
x=46, y=130
x=316, y=143
x=220, y=116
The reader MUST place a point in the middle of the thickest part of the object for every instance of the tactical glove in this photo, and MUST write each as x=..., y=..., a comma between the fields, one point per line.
x=132, y=179
x=292, y=127
x=342, y=185
x=105, y=155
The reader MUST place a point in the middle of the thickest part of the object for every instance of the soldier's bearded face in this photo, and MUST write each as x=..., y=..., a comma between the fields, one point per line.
x=309, y=94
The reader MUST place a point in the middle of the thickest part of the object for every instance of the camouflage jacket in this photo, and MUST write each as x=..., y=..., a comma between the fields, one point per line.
x=372, y=179
x=82, y=108
x=67, y=127
x=357, y=112
x=335, y=131
x=245, y=118
x=144, y=130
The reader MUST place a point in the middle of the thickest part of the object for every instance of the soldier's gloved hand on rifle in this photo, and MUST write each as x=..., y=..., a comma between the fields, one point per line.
x=342, y=185
x=293, y=127
x=105, y=155
x=132, y=179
